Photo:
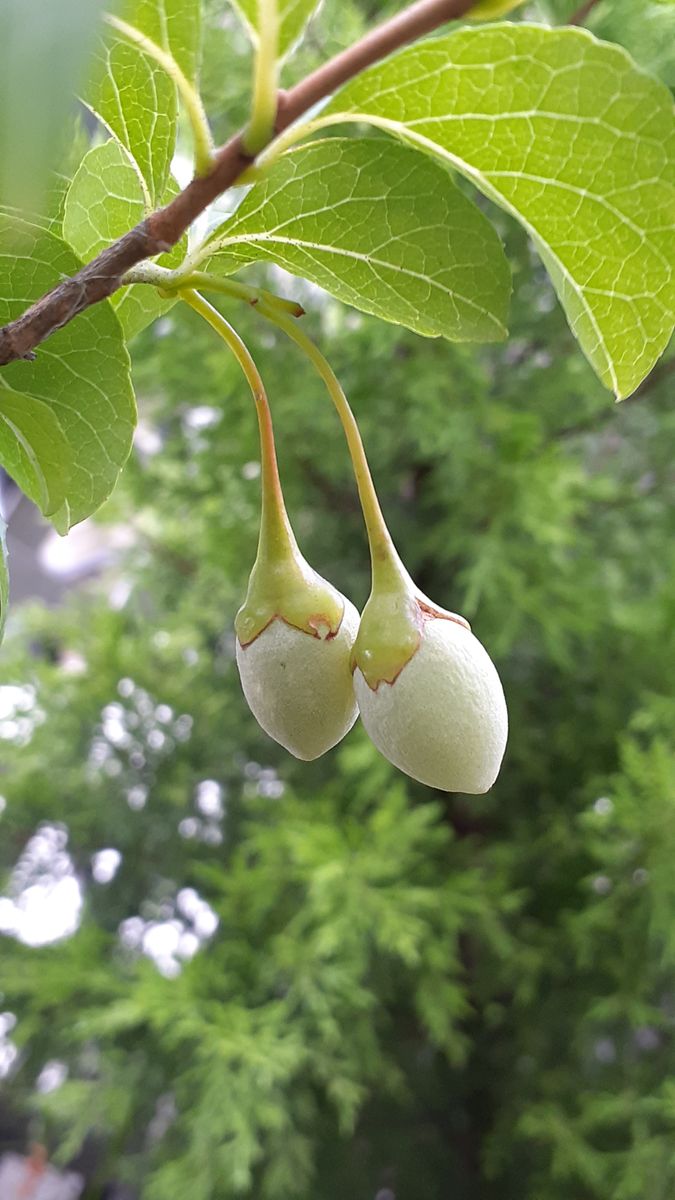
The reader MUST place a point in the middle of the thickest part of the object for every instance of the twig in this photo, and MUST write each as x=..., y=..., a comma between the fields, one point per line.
x=160, y=231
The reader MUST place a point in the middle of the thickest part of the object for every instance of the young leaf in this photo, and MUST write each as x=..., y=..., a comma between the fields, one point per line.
x=137, y=102
x=34, y=449
x=380, y=227
x=567, y=135
x=81, y=374
x=293, y=18
x=183, y=21
x=175, y=25
x=104, y=200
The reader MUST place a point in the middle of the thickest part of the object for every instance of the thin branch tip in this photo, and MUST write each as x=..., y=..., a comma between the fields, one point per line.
x=159, y=232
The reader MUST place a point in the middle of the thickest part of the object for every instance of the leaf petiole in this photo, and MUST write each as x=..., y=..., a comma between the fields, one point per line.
x=172, y=282
x=264, y=107
x=277, y=542
x=386, y=564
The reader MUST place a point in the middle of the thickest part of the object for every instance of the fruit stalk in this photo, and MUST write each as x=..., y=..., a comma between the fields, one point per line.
x=386, y=563
x=276, y=540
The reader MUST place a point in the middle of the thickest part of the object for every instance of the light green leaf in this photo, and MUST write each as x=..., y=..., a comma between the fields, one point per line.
x=381, y=227
x=44, y=49
x=567, y=135
x=293, y=18
x=81, y=374
x=34, y=449
x=175, y=25
x=105, y=200
x=183, y=18
x=137, y=102
x=4, y=578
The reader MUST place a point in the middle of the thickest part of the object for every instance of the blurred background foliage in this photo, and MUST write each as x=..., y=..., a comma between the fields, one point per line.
x=323, y=980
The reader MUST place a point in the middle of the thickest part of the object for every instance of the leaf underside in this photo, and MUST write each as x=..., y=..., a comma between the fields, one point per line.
x=80, y=378
x=293, y=16
x=380, y=227
x=104, y=200
x=567, y=135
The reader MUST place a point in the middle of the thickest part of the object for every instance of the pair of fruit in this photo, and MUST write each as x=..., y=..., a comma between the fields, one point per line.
x=428, y=693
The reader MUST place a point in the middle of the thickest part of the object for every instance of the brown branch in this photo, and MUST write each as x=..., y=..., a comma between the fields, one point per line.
x=159, y=232
x=580, y=15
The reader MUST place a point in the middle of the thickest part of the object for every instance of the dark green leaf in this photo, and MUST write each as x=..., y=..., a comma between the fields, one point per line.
x=81, y=374
x=34, y=449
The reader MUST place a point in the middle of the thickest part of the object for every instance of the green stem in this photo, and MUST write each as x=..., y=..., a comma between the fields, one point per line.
x=243, y=291
x=175, y=281
x=201, y=132
x=277, y=542
x=386, y=564
x=298, y=133
x=265, y=80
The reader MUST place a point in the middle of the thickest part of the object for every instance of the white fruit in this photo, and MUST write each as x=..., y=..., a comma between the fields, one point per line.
x=443, y=720
x=299, y=687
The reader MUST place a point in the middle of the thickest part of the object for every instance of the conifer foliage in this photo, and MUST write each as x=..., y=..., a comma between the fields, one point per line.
x=294, y=979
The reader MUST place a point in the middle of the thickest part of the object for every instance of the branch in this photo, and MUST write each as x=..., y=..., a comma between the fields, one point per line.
x=160, y=231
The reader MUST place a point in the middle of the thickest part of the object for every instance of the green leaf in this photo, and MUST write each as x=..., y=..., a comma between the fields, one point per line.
x=381, y=227
x=136, y=100
x=34, y=449
x=183, y=19
x=175, y=25
x=44, y=50
x=567, y=135
x=4, y=578
x=293, y=18
x=81, y=374
x=105, y=200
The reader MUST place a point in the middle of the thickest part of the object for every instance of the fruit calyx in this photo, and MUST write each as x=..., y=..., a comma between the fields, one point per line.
x=286, y=587
x=392, y=623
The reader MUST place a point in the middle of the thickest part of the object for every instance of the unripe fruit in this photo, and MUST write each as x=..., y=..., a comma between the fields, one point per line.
x=443, y=719
x=295, y=631
x=298, y=685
